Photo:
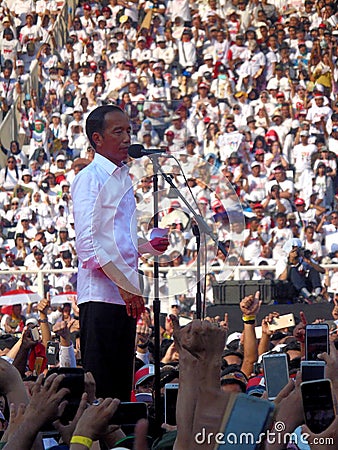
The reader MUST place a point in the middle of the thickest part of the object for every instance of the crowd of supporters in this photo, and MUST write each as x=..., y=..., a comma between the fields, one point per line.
x=243, y=97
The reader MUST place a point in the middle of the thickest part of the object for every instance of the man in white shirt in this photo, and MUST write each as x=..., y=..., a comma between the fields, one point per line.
x=109, y=296
x=301, y=154
x=162, y=51
x=319, y=109
x=256, y=182
x=141, y=52
x=187, y=54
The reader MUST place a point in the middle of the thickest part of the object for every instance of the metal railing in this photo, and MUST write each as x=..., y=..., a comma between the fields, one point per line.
x=41, y=273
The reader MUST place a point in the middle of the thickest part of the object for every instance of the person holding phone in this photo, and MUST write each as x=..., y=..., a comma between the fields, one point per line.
x=109, y=296
x=301, y=270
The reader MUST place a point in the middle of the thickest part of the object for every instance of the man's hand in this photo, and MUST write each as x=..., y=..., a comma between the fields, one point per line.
x=143, y=332
x=156, y=246
x=160, y=244
x=267, y=321
x=299, y=330
x=27, y=341
x=251, y=304
x=62, y=330
x=16, y=418
x=134, y=303
x=43, y=306
x=218, y=322
x=66, y=431
x=95, y=419
x=47, y=401
x=290, y=408
x=317, y=441
x=331, y=368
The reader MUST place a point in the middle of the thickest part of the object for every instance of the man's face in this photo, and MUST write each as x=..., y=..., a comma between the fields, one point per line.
x=256, y=170
x=281, y=221
x=7, y=72
x=114, y=141
x=17, y=310
x=278, y=120
x=319, y=101
x=279, y=174
x=309, y=233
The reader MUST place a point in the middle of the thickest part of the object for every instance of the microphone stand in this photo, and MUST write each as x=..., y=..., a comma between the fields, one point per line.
x=197, y=234
x=202, y=227
x=156, y=304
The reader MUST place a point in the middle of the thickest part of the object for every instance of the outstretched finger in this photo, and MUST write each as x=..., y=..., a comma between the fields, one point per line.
x=302, y=318
x=175, y=322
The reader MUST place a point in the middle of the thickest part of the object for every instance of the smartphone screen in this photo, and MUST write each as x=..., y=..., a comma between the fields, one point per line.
x=316, y=341
x=74, y=381
x=248, y=413
x=52, y=352
x=170, y=400
x=129, y=413
x=276, y=373
x=318, y=405
x=312, y=370
x=35, y=334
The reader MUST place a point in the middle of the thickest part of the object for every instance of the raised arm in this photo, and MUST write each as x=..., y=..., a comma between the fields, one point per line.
x=250, y=306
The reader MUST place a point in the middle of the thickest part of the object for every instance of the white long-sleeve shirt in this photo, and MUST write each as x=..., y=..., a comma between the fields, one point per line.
x=105, y=226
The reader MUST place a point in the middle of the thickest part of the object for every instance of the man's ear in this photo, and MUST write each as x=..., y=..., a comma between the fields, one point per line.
x=97, y=138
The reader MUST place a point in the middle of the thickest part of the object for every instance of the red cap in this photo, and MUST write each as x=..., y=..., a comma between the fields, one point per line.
x=175, y=203
x=216, y=204
x=87, y=7
x=299, y=202
x=203, y=85
x=259, y=151
x=203, y=200
x=144, y=373
x=258, y=205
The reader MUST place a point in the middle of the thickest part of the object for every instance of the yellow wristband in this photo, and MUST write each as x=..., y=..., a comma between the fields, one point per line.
x=87, y=442
x=248, y=318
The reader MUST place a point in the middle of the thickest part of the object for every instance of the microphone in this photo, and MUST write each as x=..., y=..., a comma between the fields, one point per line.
x=137, y=151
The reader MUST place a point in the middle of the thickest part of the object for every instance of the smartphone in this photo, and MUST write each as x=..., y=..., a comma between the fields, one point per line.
x=170, y=400
x=276, y=373
x=129, y=413
x=278, y=323
x=312, y=370
x=316, y=340
x=245, y=413
x=52, y=353
x=318, y=405
x=35, y=334
x=74, y=381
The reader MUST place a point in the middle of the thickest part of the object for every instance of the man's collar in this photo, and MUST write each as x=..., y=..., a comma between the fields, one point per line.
x=107, y=165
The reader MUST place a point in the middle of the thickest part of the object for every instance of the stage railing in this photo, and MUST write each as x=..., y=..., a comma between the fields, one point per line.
x=40, y=273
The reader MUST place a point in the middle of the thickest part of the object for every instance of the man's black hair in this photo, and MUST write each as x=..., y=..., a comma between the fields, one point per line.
x=280, y=215
x=96, y=120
